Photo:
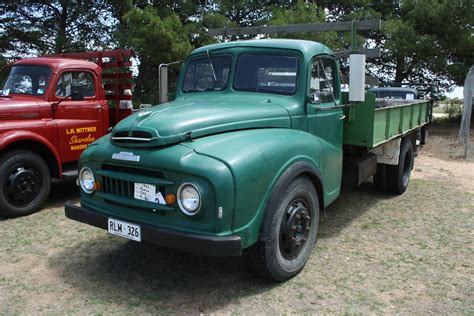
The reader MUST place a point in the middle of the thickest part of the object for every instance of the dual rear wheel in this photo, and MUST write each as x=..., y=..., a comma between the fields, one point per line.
x=395, y=178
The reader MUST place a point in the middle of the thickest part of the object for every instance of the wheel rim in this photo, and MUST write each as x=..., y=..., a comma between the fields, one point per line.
x=406, y=169
x=22, y=184
x=294, y=229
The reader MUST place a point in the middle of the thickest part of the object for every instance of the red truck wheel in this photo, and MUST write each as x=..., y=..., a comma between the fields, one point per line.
x=25, y=183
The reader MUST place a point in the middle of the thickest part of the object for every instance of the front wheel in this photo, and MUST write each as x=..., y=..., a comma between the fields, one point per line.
x=25, y=183
x=290, y=235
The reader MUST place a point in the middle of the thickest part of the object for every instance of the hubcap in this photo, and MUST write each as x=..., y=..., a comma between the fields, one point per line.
x=294, y=229
x=22, y=185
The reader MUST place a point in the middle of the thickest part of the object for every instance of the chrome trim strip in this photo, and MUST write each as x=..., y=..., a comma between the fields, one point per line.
x=132, y=138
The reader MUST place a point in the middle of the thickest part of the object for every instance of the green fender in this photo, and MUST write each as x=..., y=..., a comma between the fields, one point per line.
x=257, y=159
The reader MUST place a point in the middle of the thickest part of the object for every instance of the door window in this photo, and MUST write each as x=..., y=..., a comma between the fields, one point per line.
x=323, y=86
x=69, y=79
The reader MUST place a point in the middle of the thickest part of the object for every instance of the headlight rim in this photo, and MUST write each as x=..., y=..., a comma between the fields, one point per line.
x=81, y=182
x=178, y=198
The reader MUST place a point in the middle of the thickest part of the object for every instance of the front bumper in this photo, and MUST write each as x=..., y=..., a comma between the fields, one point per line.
x=199, y=244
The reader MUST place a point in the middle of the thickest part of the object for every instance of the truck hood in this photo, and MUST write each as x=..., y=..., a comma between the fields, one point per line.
x=182, y=120
x=18, y=108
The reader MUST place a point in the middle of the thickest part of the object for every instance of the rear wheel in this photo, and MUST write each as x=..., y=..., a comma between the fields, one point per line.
x=398, y=176
x=25, y=183
x=380, y=178
x=291, y=230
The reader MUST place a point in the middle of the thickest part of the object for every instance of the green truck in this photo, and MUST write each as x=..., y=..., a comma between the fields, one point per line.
x=256, y=144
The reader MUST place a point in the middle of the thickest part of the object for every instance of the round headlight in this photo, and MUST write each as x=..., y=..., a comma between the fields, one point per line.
x=86, y=180
x=189, y=199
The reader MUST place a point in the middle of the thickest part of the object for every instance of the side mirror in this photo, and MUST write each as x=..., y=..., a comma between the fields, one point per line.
x=357, y=77
x=77, y=93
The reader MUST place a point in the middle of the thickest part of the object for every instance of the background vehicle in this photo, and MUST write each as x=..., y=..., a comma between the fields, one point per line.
x=396, y=93
x=254, y=146
x=51, y=109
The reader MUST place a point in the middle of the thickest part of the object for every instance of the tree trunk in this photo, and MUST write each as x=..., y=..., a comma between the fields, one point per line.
x=62, y=25
x=400, y=73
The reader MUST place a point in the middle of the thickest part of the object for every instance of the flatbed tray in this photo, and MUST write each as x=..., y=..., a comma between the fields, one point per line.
x=369, y=126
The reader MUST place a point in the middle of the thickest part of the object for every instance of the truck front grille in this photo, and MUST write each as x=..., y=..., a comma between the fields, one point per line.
x=125, y=188
x=118, y=187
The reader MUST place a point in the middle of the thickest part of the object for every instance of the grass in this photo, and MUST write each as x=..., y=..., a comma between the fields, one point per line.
x=410, y=254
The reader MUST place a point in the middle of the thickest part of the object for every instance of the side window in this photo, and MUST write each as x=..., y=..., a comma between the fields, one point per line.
x=322, y=86
x=69, y=79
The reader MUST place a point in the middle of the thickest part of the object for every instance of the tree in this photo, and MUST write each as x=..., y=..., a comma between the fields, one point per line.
x=304, y=12
x=54, y=26
x=155, y=40
x=425, y=41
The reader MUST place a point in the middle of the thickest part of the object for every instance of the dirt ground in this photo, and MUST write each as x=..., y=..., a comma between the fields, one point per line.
x=376, y=253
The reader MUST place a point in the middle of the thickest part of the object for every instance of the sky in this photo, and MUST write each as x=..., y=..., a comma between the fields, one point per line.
x=456, y=93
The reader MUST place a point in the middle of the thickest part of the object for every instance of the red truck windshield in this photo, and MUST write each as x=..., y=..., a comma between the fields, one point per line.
x=25, y=79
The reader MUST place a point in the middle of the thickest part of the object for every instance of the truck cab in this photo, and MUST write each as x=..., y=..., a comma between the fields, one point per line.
x=51, y=109
x=245, y=158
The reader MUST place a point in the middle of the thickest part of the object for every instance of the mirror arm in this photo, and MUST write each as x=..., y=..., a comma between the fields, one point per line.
x=56, y=104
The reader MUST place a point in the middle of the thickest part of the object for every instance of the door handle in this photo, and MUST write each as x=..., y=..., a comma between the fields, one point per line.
x=98, y=108
x=342, y=117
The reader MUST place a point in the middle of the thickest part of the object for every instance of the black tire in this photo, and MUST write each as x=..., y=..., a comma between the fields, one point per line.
x=380, y=178
x=295, y=215
x=25, y=183
x=398, y=176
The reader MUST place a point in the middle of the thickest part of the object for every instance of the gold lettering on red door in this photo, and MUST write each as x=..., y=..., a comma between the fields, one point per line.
x=79, y=142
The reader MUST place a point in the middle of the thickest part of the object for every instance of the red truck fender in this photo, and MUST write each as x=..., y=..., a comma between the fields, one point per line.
x=9, y=138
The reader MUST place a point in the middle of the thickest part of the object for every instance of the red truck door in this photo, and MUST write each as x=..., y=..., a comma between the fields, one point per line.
x=79, y=122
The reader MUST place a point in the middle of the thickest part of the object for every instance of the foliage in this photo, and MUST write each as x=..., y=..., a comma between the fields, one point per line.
x=454, y=109
x=46, y=27
x=155, y=40
x=422, y=41
x=302, y=12
x=426, y=41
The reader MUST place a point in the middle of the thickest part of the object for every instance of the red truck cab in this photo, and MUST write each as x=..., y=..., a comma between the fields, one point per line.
x=51, y=109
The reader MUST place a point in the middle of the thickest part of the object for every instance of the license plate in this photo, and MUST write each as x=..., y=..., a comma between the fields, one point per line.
x=124, y=229
x=145, y=192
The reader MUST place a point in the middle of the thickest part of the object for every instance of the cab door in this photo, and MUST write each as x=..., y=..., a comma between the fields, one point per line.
x=79, y=122
x=325, y=119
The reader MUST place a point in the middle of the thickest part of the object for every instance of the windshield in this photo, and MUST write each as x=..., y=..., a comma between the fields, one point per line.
x=22, y=79
x=207, y=74
x=266, y=73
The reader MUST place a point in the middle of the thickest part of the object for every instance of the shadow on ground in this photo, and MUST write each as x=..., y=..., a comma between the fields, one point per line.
x=61, y=192
x=109, y=268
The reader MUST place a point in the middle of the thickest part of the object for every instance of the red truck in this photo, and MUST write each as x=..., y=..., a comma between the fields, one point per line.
x=51, y=109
